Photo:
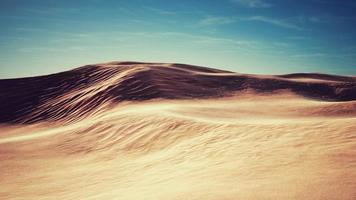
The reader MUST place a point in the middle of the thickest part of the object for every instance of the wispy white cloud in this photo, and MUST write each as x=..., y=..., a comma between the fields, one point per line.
x=252, y=3
x=160, y=11
x=324, y=55
x=324, y=19
x=290, y=23
x=53, y=11
x=59, y=33
x=314, y=19
x=275, y=22
x=233, y=44
x=297, y=38
x=49, y=49
x=310, y=55
x=336, y=3
x=216, y=20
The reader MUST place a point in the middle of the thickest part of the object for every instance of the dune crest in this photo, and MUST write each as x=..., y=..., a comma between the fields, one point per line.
x=74, y=94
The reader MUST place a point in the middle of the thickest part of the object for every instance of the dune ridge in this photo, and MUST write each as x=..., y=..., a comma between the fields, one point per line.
x=75, y=94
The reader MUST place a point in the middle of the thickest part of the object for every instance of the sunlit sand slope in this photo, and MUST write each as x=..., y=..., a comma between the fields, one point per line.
x=162, y=131
x=75, y=94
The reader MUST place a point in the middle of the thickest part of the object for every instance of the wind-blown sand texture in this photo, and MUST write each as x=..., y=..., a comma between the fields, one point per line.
x=129, y=130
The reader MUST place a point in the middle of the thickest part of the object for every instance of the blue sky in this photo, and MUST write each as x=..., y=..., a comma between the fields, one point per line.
x=248, y=36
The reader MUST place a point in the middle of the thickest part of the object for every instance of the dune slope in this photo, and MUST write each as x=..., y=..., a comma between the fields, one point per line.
x=76, y=93
x=128, y=130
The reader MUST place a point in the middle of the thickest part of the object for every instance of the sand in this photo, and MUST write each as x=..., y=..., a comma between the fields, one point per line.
x=244, y=144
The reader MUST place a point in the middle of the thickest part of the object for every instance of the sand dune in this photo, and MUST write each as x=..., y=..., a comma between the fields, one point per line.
x=85, y=90
x=130, y=130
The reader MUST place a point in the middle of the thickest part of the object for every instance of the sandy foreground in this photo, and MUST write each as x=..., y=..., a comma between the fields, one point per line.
x=248, y=146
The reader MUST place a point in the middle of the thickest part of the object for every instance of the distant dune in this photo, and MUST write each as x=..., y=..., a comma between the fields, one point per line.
x=148, y=131
x=76, y=93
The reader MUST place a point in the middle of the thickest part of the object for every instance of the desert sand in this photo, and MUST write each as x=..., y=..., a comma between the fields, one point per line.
x=129, y=130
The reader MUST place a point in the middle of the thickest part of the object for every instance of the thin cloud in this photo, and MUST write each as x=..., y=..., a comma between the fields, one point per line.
x=50, y=49
x=252, y=3
x=309, y=55
x=252, y=46
x=325, y=55
x=160, y=11
x=53, y=11
x=60, y=33
x=214, y=20
x=275, y=22
x=297, y=38
x=324, y=19
x=335, y=3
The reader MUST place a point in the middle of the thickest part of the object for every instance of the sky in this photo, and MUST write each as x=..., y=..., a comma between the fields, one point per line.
x=39, y=37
